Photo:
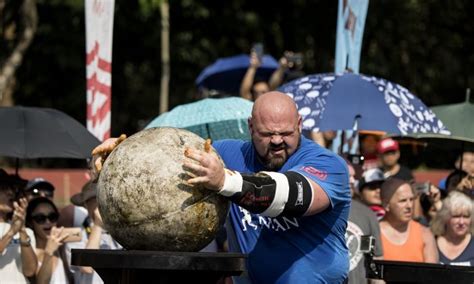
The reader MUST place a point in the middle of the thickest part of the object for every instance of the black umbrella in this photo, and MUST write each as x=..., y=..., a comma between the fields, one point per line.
x=31, y=132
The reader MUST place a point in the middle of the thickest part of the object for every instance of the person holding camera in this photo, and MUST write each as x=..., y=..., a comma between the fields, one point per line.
x=251, y=87
x=18, y=259
x=42, y=216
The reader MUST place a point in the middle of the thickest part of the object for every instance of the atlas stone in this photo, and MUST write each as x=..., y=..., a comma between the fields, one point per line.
x=144, y=199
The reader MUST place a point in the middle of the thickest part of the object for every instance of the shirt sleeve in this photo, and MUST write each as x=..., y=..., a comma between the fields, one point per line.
x=330, y=172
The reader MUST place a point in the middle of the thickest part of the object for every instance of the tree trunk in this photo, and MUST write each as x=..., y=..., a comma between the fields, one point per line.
x=165, y=56
x=29, y=22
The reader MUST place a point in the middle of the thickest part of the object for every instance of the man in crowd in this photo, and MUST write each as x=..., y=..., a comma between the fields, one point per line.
x=389, y=154
x=39, y=187
x=294, y=193
x=404, y=239
x=369, y=190
x=362, y=222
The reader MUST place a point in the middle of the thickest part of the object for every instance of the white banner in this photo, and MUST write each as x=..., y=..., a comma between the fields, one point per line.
x=99, y=31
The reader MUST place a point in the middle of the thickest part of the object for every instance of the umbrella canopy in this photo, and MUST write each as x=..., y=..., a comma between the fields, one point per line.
x=458, y=117
x=227, y=73
x=223, y=118
x=31, y=132
x=437, y=149
x=337, y=101
x=437, y=141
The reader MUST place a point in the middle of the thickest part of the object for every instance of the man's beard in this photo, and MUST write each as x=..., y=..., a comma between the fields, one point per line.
x=275, y=162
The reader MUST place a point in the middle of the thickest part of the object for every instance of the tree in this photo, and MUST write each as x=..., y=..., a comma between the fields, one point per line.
x=19, y=23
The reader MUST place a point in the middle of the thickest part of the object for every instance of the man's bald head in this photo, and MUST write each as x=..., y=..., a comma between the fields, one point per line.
x=274, y=104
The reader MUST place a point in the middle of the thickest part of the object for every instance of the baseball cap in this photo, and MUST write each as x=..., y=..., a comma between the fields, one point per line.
x=89, y=190
x=387, y=144
x=371, y=176
x=39, y=183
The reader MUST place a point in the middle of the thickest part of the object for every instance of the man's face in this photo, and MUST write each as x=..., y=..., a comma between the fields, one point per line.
x=390, y=158
x=276, y=139
x=39, y=192
x=401, y=204
x=259, y=88
x=370, y=193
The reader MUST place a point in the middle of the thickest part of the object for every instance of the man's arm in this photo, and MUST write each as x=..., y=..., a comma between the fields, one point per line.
x=266, y=193
x=247, y=81
x=430, y=250
x=28, y=255
x=278, y=74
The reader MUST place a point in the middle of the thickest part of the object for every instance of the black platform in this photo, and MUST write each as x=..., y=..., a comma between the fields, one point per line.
x=122, y=266
x=413, y=272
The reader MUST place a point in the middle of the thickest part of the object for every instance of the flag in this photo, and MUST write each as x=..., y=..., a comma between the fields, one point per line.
x=99, y=31
x=350, y=30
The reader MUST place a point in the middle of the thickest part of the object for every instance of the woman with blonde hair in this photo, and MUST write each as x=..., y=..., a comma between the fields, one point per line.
x=454, y=228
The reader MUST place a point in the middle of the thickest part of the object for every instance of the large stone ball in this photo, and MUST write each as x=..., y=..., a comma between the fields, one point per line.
x=144, y=200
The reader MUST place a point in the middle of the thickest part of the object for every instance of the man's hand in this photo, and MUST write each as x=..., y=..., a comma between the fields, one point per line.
x=254, y=60
x=19, y=214
x=100, y=153
x=208, y=171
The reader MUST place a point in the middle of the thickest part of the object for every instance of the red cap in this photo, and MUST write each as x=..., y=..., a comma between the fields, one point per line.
x=387, y=144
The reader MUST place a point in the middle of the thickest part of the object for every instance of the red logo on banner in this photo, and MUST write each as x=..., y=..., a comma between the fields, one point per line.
x=322, y=175
x=98, y=94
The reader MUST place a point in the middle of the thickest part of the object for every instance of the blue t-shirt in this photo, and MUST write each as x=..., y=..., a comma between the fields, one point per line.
x=309, y=249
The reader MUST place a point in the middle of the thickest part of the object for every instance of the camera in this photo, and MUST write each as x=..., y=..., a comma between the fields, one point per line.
x=356, y=159
x=258, y=49
x=367, y=244
x=423, y=187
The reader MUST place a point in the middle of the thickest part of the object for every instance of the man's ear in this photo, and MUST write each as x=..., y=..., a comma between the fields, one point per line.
x=250, y=124
x=300, y=123
x=386, y=208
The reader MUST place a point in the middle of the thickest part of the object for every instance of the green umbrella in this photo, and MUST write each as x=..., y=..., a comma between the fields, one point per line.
x=458, y=117
x=222, y=118
x=437, y=147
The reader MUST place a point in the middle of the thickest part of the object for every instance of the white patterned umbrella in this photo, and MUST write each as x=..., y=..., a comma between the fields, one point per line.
x=337, y=101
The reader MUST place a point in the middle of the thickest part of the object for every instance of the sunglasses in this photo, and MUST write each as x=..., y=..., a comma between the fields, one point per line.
x=37, y=192
x=41, y=218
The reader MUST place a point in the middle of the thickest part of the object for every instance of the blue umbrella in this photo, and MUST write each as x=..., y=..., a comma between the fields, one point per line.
x=223, y=118
x=347, y=101
x=227, y=73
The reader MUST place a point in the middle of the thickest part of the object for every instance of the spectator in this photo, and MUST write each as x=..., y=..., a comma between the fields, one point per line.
x=98, y=238
x=39, y=187
x=389, y=154
x=467, y=161
x=404, y=239
x=429, y=203
x=42, y=215
x=323, y=138
x=18, y=259
x=453, y=227
x=461, y=181
x=369, y=190
x=362, y=222
x=368, y=149
x=251, y=87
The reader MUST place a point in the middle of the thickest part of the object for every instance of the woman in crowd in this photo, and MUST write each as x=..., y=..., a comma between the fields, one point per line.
x=42, y=216
x=17, y=257
x=453, y=227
